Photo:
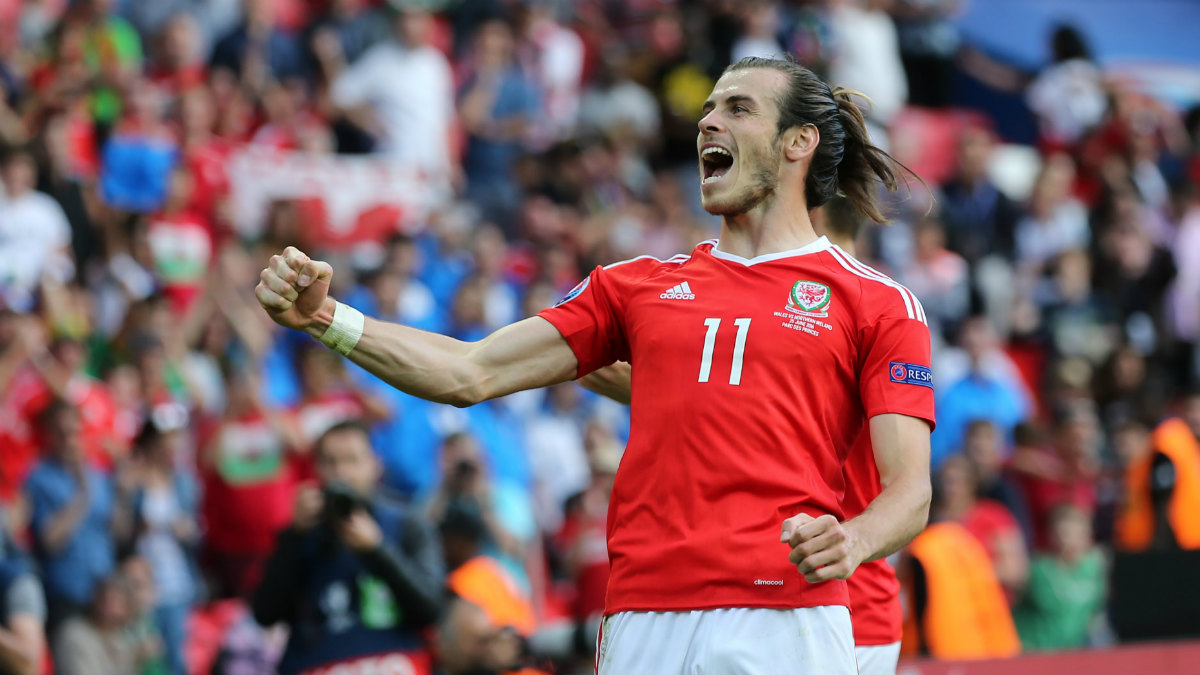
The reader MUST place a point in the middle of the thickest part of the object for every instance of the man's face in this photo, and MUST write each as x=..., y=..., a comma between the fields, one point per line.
x=19, y=175
x=346, y=457
x=739, y=149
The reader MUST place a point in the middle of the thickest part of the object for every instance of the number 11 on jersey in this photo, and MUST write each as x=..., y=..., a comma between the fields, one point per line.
x=739, y=349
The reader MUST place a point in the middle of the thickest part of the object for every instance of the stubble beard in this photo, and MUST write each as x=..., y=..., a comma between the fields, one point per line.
x=765, y=180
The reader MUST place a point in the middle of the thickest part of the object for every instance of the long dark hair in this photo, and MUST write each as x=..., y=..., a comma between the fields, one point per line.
x=845, y=161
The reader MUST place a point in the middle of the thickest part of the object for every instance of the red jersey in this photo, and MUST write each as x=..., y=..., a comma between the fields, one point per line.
x=875, y=609
x=751, y=382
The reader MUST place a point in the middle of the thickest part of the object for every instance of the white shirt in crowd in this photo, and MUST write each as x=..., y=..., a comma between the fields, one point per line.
x=412, y=93
x=1068, y=99
x=1038, y=241
x=867, y=58
x=34, y=238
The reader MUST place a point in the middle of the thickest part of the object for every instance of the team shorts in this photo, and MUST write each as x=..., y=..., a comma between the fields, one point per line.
x=734, y=641
x=877, y=659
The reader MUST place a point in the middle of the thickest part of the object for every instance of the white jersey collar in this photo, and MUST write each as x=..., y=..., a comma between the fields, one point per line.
x=821, y=244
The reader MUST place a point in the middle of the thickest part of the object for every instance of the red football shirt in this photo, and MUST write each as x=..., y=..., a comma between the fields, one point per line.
x=875, y=607
x=751, y=381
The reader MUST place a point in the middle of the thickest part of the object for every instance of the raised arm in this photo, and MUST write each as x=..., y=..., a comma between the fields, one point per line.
x=294, y=290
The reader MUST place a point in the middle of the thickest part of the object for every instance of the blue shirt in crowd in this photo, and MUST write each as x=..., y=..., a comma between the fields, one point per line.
x=975, y=397
x=73, y=572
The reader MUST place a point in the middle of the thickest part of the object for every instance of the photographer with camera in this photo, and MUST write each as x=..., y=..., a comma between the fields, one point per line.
x=355, y=577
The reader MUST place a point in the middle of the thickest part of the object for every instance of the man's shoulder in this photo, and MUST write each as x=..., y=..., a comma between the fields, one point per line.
x=645, y=267
x=879, y=295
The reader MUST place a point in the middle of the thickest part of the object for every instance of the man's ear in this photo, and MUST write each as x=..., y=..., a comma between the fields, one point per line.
x=801, y=142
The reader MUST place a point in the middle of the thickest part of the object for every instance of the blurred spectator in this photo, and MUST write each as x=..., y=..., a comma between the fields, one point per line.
x=258, y=50
x=1079, y=323
x=249, y=474
x=940, y=278
x=583, y=539
x=479, y=578
x=505, y=506
x=980, y=219
x=113, y=52
x=499, y=105
x=35, y=236
x=346, y=29
x=139, y=155
x=556, y=453
x=759, y=19
x=1162, y=509
x=1068, y=96
x=553, y=55
x=470, y=643
x=1064, y=473
x=1067, y=586
x=987, y=391
x=181, y=243
x=64, y=178
x=22, y=611
x=867, y=58
x=929, y=43
x=328, y=396
x=164, y=505
x=378, y=94
x=1184, y=307
x=99, y=642
x=984, y=447
x=355, y=576
x=178, y=63
x=74, y=517
x=618, y=105
x=1056, y=222
x=955, y=608
x=142, y=630
x=991, y=523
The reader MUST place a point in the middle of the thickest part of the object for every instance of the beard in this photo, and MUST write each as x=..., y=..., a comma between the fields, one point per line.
x=764, y=180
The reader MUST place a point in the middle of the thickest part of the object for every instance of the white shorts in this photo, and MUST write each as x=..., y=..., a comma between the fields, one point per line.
x=735, y=641
x=877, y=659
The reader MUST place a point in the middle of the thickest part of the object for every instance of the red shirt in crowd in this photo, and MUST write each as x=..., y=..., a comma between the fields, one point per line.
x=249, y=486
x=751, y=381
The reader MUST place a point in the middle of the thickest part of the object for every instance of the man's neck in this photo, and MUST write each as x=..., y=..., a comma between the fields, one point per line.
x=773, y=226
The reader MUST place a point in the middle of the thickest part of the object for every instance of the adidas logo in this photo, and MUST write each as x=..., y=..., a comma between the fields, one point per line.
x=678, y=292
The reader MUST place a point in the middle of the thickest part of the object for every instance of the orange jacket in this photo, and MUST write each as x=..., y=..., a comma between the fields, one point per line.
x=966, y=615
x=1135, y=525
x=484, y=582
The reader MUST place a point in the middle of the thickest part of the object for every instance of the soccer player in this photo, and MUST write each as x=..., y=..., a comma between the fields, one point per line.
x=756, y=362
x=876, y=613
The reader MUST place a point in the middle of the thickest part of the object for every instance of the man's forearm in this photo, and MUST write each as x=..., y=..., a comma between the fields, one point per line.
x=445, y=370
x=897, y=515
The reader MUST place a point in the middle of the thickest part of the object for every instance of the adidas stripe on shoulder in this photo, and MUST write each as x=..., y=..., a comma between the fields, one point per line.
x=911, y=304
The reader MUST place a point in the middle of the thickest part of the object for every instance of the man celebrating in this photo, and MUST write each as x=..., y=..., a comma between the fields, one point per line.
x=756, y=359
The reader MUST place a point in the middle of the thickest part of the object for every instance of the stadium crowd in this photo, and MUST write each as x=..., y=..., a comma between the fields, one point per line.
x=158, y=433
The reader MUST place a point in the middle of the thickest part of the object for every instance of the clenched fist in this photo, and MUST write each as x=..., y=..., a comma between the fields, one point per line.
x=294, y=289
x=821, y=547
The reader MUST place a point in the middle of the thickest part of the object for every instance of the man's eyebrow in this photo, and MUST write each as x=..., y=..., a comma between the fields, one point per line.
x=729, y=100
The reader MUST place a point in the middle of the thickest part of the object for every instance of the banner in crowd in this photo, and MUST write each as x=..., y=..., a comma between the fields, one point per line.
x=341, y=199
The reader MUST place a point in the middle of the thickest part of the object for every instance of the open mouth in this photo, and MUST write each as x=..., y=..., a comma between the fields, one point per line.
x=715, y=162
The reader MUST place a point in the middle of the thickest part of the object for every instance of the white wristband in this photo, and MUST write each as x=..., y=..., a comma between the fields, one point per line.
x=345, y=331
